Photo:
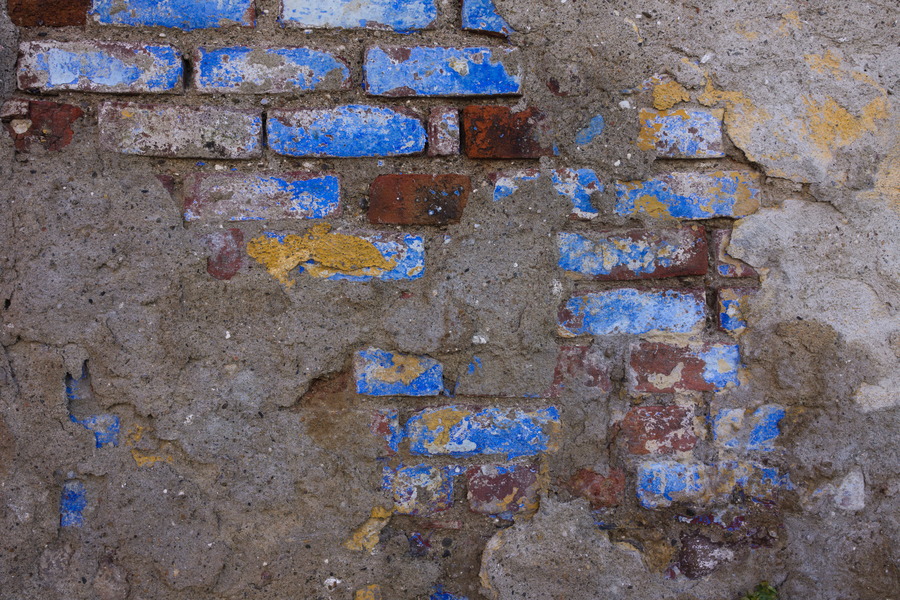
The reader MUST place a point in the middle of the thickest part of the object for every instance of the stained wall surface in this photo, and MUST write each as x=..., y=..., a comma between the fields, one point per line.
x=449, y=299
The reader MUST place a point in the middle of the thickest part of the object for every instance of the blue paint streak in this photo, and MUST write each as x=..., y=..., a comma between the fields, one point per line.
x=593, y=129
x=658, y=481
x=581, y=255
x=729, y=307
x=726, y=354
x=182, y=14
x=508, y=184
x=440, y=594
x=634, y=311
x=676, y=132
x=66, y=69
x=428, y=72
x=717, y=199
x=577, y=185
x=429, y=383
x=513, y=432
x=482, y=15
x=105, y=428
x=349, y=131
x=767, y=427
x=72, y=503
x=403, y=483
x=400, y=15
x=229, y=68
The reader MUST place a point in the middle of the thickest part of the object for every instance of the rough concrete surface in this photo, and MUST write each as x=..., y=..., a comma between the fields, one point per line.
x=246, y=466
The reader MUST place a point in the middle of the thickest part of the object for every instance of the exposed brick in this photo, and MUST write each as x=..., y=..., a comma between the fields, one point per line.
x=382, y=373
x=481, y=16
x=180, y=131
x=340, y=256
x=48, y=13
x=180, y=14
x=439, y=71
x=46, y=123
x=394, y=15
x=443, y=131
x=635, y=254
x=602, y=491
x=418, y=199
x=580, y=367
x=699, y=556
x=386, y=424
x=658, y=430
x=502, y=490
x=682, y=133
x=726, y=265
x=257, y=196
x=226, y=253
x=733, y=307
x=345, y=131
x=498, y=132
x=89, y=66
x=419, y=489
x=659, y=484
x=467, y=431
x=663, y=368
x=249, y=70
x=632, y=311
x=690, y=195
x=578, y=185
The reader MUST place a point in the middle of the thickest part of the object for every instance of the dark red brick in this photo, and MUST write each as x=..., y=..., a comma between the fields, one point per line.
x=227, y=254
x=48, y=13
x=580, y=368
x=502, y=489
x=602, y=491
x=658, y=430
x=418, y=199
x=46, y=123
x=699, y=556
x=658, y=368
x=498, y=132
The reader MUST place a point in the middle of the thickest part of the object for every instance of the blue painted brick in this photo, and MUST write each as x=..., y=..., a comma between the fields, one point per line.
x=72, y=503
x=418, y=490
x=632, y=311
x=258, y=196
x=345, y=131
x=397, y=15
x=682, y=133
x=465, y=431
x=758, y=432
x=89, y=66
x=482, y=16
x=765, y=427
x=383, y=373
x=242, y=69
x=438, y=71
x=181, y=14
x=659, y=484
x=690, y=195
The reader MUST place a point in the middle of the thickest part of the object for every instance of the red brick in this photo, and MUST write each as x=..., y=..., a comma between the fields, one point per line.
x=579, y=367
x=502, y=489
x=227, y=254
x=48, y=13
x=443, y=131
x=658, y=430
x=726, y=266
x=699, y=556
x=418, y=199
x=46, y=123
x=602, y=491
x=498, y=132
x=658, y=368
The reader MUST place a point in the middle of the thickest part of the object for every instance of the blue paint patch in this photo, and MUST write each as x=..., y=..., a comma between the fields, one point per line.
x=594, y=128
x=682, y=133
x=577, y=185
x=345, y=131
x=460, y=431
x=475, y=365
x=440, y=594
x=398, y=15
x=766, y=427
x=482, y=15
x=109, y=67
x=730, y=316
x=726, y=427
x=383, y=373
x=507, y=185
x=267, y=70
x=419, y=489
x=720, y=364
x=105, y=428
x=662, y=483
x=437, y=71
x=578, y=254
x=181, y=14
x=72, y=503
x=690, y=195
x=757, y=481
x=631, y=311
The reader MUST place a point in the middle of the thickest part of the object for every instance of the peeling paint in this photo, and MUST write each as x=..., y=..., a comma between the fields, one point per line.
x=593, y=130
x=383, y=373
x=401, y=16
x=244, y=69
x=72, y=504
x=689, y=195
x=482, y=15
x=682, y=133
x=733, y=307
x=578, y=185
x=419, y=490
x=181, y=14
x=367, y=535
x=668, y=94
x=632, y=311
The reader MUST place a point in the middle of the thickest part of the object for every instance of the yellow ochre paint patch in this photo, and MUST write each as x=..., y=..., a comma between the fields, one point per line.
x=405, y=368
x=830, y=125
x=367, y=535
x=330, y=252
x=668, y=94
x=745, y=202
x=141, y=458
x=441, y=422
x=370, y=592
